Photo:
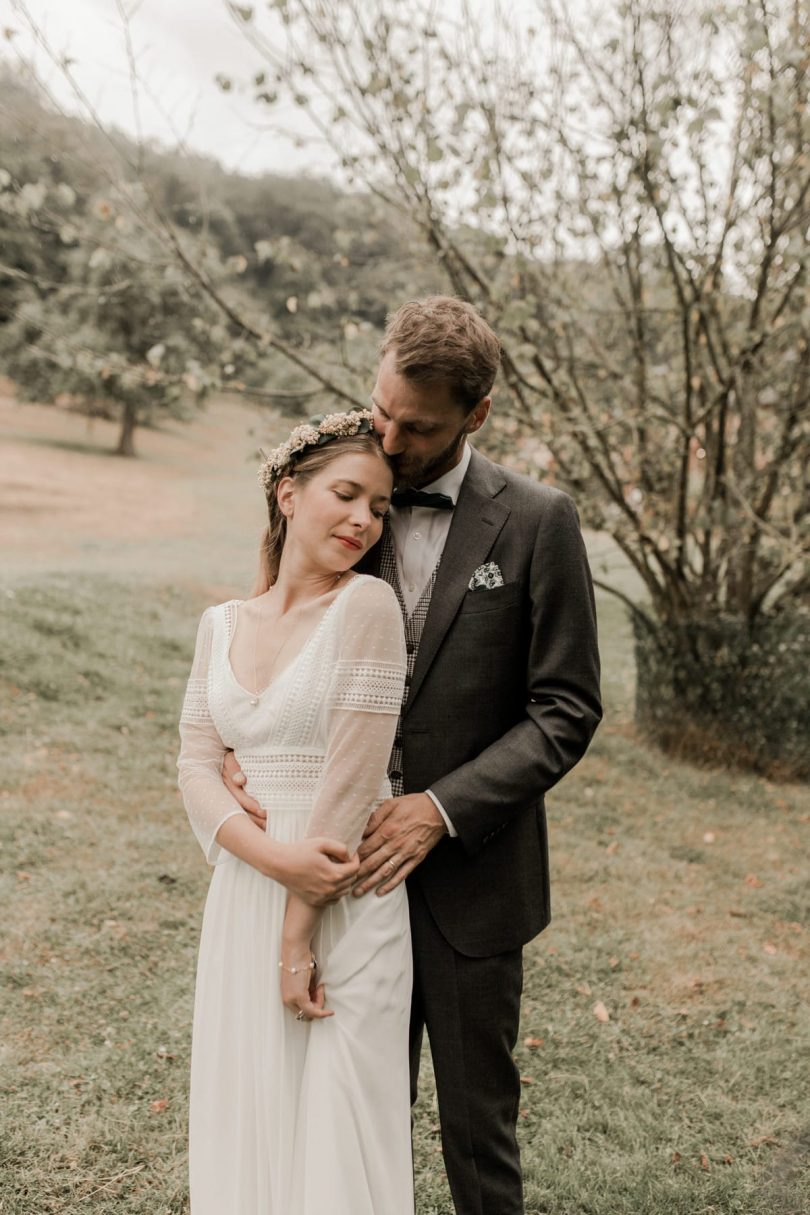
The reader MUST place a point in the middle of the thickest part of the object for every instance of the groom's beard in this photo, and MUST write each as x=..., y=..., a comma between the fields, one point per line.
x=413, y=473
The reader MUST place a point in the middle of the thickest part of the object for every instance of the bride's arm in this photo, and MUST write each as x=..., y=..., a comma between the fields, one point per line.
x=300, y=990
x=365, y=702
x=219, y=822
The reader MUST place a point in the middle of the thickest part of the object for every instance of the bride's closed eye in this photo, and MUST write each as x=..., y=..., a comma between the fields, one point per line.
x=376, y=512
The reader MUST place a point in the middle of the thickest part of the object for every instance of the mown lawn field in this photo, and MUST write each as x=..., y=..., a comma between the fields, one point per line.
x=665, y=1038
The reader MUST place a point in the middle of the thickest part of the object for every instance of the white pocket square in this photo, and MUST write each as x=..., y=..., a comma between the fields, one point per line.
x=486, y=577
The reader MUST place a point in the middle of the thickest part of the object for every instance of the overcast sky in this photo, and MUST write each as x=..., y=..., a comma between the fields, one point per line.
x=180, y=46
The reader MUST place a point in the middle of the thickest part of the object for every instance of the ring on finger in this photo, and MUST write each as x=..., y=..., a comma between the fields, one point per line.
x=390, y=865
x=300, y=1016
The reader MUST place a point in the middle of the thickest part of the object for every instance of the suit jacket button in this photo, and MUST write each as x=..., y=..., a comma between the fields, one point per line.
x=395, y=775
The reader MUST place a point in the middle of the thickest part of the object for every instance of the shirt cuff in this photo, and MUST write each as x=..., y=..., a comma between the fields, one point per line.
x=451, y=831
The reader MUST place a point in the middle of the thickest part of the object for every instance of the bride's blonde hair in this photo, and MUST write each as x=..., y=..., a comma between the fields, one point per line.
x=308, y=464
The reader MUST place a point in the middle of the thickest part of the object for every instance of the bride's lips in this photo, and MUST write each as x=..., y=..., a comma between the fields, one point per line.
x=354, y=545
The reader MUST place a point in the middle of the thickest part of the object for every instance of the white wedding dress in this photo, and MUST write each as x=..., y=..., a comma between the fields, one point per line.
x=286, y=1117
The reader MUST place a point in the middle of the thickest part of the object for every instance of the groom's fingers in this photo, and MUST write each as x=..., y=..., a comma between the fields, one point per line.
x=398, y=876
x=373, y=854
x=234, y=780
x=385, y=878
x=376, y=819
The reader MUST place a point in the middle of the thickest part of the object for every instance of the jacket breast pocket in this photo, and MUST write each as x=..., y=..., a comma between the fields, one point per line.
x=491, y=600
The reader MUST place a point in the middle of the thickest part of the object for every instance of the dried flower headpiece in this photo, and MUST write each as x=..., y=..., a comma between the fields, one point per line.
x=314, y=433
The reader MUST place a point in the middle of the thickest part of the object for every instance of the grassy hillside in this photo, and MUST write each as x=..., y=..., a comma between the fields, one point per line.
x=665, y=1033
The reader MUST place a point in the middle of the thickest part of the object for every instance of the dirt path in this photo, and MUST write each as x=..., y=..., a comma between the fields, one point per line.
x=188, y=508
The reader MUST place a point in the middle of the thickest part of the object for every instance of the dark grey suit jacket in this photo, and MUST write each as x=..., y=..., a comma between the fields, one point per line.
x=504, y=701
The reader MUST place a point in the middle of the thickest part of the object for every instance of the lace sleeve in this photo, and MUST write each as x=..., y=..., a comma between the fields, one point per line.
x=208, y=803
x=365, y=701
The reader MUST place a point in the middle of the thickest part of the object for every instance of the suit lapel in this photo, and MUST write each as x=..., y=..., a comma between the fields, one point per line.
x=477, y=522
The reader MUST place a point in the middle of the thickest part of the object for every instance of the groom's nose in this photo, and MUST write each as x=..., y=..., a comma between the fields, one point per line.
x=393, y=439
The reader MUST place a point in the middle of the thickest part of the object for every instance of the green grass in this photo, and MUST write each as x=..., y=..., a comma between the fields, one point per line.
x=680, y=902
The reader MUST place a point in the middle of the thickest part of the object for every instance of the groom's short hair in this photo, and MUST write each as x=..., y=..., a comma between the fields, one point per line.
x=443, y=340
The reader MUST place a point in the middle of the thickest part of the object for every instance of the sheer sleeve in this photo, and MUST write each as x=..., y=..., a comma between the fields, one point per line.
x=208, y=803
x=364, y=705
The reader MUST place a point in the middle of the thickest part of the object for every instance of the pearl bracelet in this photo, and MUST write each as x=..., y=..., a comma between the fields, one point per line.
x=297, y=970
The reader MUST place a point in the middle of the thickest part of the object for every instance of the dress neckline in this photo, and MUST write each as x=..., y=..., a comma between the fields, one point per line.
x=256, y=696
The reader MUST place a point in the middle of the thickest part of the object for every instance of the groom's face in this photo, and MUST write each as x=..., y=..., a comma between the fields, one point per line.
x=422, y=426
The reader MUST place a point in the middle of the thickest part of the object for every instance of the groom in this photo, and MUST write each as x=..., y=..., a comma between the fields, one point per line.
x=501, y=700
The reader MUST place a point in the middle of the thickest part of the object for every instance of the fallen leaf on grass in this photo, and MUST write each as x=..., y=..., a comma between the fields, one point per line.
x=534, y=1043
x=613, y=963
x=584, y=989
x=526, y=1080
x=22, y=876
x=704, y=1161
x=738, y=913
x=600, y=1012
x=763, y=1141
x=157, y=1107
x=634, y=1002
x=753, y=881
x=770, y=948
x=676, y=1157
x=612, y=848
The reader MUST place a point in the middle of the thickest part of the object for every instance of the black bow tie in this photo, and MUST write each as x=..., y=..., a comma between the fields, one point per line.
x=418, y=497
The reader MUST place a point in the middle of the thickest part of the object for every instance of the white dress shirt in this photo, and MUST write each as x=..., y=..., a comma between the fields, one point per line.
x=419, y=534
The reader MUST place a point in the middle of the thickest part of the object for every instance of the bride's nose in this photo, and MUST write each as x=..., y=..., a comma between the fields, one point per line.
x=360, y=516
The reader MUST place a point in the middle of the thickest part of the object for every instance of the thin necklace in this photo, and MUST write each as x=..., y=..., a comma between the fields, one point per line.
x=254, y=700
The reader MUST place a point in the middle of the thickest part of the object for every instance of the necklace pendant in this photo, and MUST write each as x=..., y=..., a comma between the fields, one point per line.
x=254, y=700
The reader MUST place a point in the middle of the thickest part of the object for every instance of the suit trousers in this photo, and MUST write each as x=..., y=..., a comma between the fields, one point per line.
x=470, y=1008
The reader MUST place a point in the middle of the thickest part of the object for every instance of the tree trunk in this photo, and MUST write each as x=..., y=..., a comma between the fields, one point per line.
x=126, y=438
x=727, y=692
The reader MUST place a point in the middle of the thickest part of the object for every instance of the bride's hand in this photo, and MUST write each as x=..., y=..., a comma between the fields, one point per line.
x=301, y=993
x=318, y=870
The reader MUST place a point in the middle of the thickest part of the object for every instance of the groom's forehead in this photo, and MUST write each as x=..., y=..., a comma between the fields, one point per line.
x=430, y=400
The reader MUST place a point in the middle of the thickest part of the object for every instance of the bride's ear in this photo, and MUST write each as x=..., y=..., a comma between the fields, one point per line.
x=285, y=496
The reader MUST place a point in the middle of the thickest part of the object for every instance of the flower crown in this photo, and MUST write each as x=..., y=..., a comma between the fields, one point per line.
x=318, y=430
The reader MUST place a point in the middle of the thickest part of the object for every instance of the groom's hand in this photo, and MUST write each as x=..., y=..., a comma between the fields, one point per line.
x=234, y=780
x=399, y=834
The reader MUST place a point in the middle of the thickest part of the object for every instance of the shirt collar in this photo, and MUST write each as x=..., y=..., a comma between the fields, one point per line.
x=450, y=482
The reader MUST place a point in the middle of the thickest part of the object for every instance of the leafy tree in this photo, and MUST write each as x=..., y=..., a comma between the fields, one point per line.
x=118, y=329
x=285, y=264
x=626, y=196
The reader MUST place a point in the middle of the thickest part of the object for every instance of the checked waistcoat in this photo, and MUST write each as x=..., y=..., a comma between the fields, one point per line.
x=414, y=626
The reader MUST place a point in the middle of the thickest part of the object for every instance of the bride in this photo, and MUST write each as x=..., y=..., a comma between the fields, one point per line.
x=299, y=1070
